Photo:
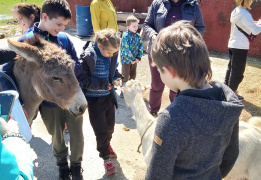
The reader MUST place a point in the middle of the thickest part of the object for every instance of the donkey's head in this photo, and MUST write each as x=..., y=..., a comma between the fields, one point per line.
x=50, y=73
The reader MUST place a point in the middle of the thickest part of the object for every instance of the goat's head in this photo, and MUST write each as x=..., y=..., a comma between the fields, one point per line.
x=131, y=89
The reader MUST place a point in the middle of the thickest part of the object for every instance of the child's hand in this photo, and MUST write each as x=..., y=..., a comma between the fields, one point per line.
x=117, y=82
x=109, y=86
x=135, y=61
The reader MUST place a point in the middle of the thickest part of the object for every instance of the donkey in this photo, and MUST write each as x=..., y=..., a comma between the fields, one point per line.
x=45, y=72
x=247, y=165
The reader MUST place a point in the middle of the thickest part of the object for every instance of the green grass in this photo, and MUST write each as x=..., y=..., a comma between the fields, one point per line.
x=7, y=5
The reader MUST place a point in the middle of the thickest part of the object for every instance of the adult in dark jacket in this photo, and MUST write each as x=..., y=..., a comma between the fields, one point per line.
x=163, y=13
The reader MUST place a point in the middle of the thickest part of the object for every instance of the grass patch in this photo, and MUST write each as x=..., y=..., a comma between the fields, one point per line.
x=7, y=5
x=8, y=22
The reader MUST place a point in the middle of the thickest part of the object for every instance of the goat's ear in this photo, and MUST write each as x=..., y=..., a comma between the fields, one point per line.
x=27, y=51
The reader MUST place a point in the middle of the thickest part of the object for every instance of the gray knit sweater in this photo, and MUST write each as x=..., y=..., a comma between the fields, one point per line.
x=199, y=133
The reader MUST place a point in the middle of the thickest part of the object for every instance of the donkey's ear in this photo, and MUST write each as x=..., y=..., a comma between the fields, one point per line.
x=27, y=51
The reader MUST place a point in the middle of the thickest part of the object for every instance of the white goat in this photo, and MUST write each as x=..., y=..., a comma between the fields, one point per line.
x=146, y=123
x=248, y=163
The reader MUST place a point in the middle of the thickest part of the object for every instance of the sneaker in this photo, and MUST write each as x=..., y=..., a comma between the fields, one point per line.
x=112, y=153
x=109, y=167
x=64, y=172
x=154, y=114
x=76, y=170
x=121, y=95
x=239, y=96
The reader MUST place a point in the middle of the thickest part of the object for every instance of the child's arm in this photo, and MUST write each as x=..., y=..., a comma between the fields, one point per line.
x=126, y=53
x=86, y=78
x=168, y=142
x=71, y=51
x=231, y=152
x=140, y=53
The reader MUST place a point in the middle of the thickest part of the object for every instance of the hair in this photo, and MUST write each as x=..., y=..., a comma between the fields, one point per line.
x=131, y=19
x=26, y=10
x=243, y=3
x=181, y=47
x=56, y=8
x=107, y=37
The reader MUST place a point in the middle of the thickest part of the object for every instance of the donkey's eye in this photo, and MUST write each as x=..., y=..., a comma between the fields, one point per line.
x=57, y=79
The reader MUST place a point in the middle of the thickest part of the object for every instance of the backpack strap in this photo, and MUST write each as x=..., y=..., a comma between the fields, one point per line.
x=64, y=40
x=29, y=35
x=241, y=30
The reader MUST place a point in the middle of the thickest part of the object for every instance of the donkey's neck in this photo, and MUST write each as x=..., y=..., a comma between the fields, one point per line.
x=27, y=92
x=142, y=115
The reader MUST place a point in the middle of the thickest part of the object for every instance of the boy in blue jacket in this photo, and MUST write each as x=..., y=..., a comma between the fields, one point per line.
x=131, y=49
x=55, y=15
x=196, y=136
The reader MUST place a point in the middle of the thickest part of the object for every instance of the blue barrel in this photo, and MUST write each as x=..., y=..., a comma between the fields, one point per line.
x=83, y=21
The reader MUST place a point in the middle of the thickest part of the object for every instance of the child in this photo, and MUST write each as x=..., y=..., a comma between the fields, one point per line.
x=26, y=15
x=196, y=137
x=238, y=44
x=131, y=50
x=99, y=62
x=55, y=15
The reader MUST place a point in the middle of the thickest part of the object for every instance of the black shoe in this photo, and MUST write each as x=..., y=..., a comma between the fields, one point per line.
x=239, y=96
x=154, y=114
x=64, y=172
x=76, y=170
x=121, y=95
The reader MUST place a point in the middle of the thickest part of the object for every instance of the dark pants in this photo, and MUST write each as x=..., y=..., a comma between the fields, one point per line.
x=156, y=89
x=54, y=120
x=102, y=118
x=236, y=67
x=128, y=72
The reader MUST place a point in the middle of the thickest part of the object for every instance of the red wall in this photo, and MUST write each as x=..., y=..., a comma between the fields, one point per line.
x=216, y=14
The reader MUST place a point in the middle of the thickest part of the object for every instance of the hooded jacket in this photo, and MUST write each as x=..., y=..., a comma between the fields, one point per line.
x=197, y=135
x=243, y=19
x=158, y=11
x=88, y=59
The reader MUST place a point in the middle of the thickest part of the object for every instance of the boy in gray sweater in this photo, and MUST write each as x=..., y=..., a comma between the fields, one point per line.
x=196, y=137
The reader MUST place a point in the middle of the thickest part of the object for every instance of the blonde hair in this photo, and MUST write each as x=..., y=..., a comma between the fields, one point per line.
x=107, y=37
x=131, y=19
x=243, y=3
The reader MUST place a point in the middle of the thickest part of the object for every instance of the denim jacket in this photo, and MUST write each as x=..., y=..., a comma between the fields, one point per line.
x=158, y=11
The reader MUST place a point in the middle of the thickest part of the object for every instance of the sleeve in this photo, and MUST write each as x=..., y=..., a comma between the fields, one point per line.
x=126, y=54
x=86, y=78
x=231, y=153
x=199, y=23
x=6, y=55
x=248, y=22
x=167, y=144
x=95, y=15
x=71, y=51
x=140, y=50
x=23, y=154
x=148, y=25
